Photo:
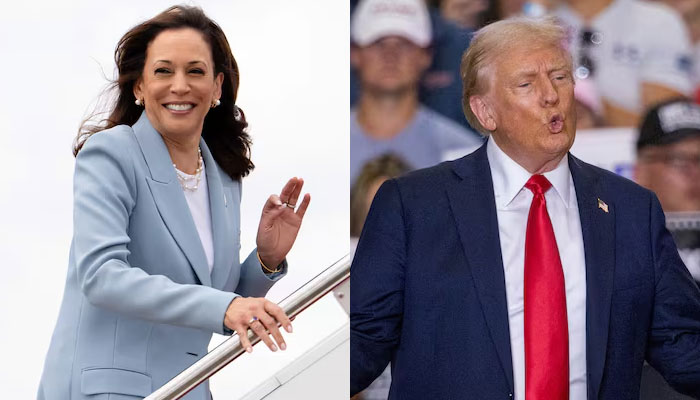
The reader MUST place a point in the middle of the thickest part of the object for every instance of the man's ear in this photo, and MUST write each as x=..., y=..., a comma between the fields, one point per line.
x=483, y=111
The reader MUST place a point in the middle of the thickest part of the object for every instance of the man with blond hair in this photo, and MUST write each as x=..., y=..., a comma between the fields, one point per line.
x=519, y=271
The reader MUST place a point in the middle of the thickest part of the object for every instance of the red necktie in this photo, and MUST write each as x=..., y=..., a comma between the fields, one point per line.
x=546, y=328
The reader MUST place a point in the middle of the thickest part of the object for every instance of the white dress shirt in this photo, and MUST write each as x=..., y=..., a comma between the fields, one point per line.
x=512, y=207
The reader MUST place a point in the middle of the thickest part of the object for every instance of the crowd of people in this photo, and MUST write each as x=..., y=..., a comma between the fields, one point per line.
x=636, y=64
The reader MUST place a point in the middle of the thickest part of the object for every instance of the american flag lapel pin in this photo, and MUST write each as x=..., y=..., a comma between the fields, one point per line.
x=602, y=205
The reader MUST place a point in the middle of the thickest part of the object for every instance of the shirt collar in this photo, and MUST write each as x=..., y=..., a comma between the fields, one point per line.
x=509, y=177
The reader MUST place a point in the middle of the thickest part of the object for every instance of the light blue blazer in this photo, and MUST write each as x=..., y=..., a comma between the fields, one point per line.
x=140, y=304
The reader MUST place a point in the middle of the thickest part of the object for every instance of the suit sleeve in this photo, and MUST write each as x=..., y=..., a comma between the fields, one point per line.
x=377, y=281
x=104, y=196
x=674, y=341
x=253, y=282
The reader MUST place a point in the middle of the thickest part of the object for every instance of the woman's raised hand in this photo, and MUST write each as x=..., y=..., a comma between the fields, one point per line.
x=280, y=222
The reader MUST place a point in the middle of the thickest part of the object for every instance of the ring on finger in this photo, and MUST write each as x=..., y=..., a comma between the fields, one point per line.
x=290, y=205
x=252, y=320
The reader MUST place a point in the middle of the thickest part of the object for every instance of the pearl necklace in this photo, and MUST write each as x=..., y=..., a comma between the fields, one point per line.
x=186, y=178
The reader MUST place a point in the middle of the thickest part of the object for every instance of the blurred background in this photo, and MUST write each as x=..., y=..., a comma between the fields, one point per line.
x=57, y=58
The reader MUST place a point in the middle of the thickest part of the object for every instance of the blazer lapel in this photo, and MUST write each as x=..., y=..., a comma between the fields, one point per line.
x=598, y=228
x=221, y=226
x=473, y=205
x=169, y=198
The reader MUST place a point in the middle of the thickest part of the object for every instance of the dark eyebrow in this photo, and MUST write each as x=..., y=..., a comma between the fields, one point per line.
x=189, y=63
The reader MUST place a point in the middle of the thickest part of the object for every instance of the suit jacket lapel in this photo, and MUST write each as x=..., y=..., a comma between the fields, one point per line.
x=474, y=208
x=221, y=226
x=169, y=198
x=598, y=228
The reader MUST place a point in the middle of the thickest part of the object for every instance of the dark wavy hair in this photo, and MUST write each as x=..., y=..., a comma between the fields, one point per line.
x=225, y=134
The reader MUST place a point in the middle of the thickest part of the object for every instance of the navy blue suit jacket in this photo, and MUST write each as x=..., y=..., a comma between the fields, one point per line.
x=428, y=288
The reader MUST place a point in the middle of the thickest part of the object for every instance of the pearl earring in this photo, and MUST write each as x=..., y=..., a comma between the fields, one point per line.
x=215, y=103
x=138, y=102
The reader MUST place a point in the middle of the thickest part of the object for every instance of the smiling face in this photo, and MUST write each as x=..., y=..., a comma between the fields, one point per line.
x=178, y=84
x=529, y=107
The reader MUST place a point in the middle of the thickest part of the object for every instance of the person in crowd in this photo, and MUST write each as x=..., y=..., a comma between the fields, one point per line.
x=372, y=175
x=154, y=262
x=668, y=154
x=637, y=52
x=668, y=163
x=390, y=53
x=668, y=158
x=441, y=86
x=690, y=11
x=519, y=271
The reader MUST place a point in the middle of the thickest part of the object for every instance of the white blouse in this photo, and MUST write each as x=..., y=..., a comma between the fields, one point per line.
x=198, y=201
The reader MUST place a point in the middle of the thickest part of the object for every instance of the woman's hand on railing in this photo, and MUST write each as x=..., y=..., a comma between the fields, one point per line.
x=260, y=315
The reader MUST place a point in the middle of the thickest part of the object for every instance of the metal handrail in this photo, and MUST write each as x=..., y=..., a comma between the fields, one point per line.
x=231, y=348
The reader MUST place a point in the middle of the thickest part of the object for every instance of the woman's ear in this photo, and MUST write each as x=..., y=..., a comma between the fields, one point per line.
x=219, y=81
x=138, y=92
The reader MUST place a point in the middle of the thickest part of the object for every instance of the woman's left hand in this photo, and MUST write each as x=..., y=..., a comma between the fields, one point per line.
x=280, y=223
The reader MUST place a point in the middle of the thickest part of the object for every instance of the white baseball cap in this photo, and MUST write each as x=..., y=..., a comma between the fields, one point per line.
x=375, y=19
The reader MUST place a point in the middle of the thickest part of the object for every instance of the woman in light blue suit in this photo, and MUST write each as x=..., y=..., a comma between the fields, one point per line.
x=154, y=263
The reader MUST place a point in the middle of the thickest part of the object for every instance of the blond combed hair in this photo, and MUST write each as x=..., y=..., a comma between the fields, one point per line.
x=496, y=39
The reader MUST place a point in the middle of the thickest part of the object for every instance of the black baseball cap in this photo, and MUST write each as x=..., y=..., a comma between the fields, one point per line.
x=669, y=122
